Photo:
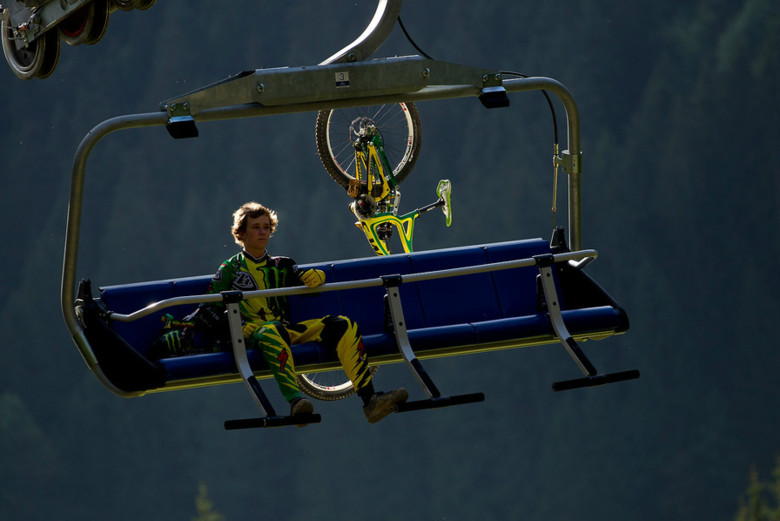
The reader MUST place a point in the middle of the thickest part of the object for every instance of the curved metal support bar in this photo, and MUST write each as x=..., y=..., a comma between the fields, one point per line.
x=573, y=151
x=67, y=290
x=373, y=37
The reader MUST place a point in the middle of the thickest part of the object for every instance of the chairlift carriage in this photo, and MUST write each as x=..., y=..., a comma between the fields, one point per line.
x=525, y=292
x=31, y=31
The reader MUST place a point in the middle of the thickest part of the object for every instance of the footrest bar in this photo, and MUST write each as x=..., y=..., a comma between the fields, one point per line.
x=595, y=380
x=441, y=401
x=272, y=421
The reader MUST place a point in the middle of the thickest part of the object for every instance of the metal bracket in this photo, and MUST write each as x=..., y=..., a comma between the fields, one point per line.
x=269, y=417
x=176, y=110
x=493, y=94
x=242, y=361
x=435, y=399
x=571, y=163
x=180, y=124
x=402, y=338
x=546, y=263
x=492, y=80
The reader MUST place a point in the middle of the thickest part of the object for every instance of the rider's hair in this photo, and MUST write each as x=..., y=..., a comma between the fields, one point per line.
x=253, y=210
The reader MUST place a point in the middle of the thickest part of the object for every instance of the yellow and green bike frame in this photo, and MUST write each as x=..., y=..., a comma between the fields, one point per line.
x=377, y=197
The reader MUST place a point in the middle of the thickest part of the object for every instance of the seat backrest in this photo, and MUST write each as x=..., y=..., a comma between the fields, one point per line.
x=455, y=300
x=366, y=306
x=516, y=288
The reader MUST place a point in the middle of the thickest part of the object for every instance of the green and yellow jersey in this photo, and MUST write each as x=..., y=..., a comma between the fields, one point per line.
x=243, y=272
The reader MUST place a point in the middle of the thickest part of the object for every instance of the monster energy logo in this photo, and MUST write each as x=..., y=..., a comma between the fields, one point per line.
x=275, y=278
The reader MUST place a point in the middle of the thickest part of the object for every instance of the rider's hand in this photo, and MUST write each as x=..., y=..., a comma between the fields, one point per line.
x=313, y=278
x=249, y=329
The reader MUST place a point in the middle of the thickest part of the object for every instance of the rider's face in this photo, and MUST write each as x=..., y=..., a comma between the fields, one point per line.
x=256, y=235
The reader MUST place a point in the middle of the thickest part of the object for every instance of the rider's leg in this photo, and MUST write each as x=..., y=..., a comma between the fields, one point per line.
x=274, y=342
x=340, y=334
x=344, y=333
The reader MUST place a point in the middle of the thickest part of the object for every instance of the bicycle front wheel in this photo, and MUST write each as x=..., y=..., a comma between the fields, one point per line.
x=399, y=125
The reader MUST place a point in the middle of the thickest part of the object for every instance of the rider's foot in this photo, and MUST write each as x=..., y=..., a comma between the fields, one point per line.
x=382, y=404
x=301, y=406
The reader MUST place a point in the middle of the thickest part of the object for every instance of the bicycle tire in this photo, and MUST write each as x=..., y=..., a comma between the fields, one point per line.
x=329, y=390
x=401, y=132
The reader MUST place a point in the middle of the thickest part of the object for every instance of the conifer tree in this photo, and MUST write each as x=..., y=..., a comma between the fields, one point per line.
x=761, y=501
x=205, y=506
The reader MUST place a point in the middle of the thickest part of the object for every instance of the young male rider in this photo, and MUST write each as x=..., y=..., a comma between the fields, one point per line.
x=266, y=320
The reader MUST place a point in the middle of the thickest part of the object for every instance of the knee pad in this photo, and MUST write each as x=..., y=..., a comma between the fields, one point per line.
x=335, y=327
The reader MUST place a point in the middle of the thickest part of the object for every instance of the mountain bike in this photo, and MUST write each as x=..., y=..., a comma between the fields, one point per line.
x=381, y=145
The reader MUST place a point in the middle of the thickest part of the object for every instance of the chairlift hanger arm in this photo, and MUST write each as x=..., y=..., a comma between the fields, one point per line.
x=248, y=87
x=387, y=12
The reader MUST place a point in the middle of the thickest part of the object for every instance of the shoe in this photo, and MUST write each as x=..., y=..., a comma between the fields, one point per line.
x=301, y=406
x=382, y=404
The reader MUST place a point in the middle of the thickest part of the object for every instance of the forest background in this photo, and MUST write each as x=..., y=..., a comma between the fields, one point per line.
x=678, y=102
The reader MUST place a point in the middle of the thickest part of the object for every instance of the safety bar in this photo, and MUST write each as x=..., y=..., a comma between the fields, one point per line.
x=355, y=284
